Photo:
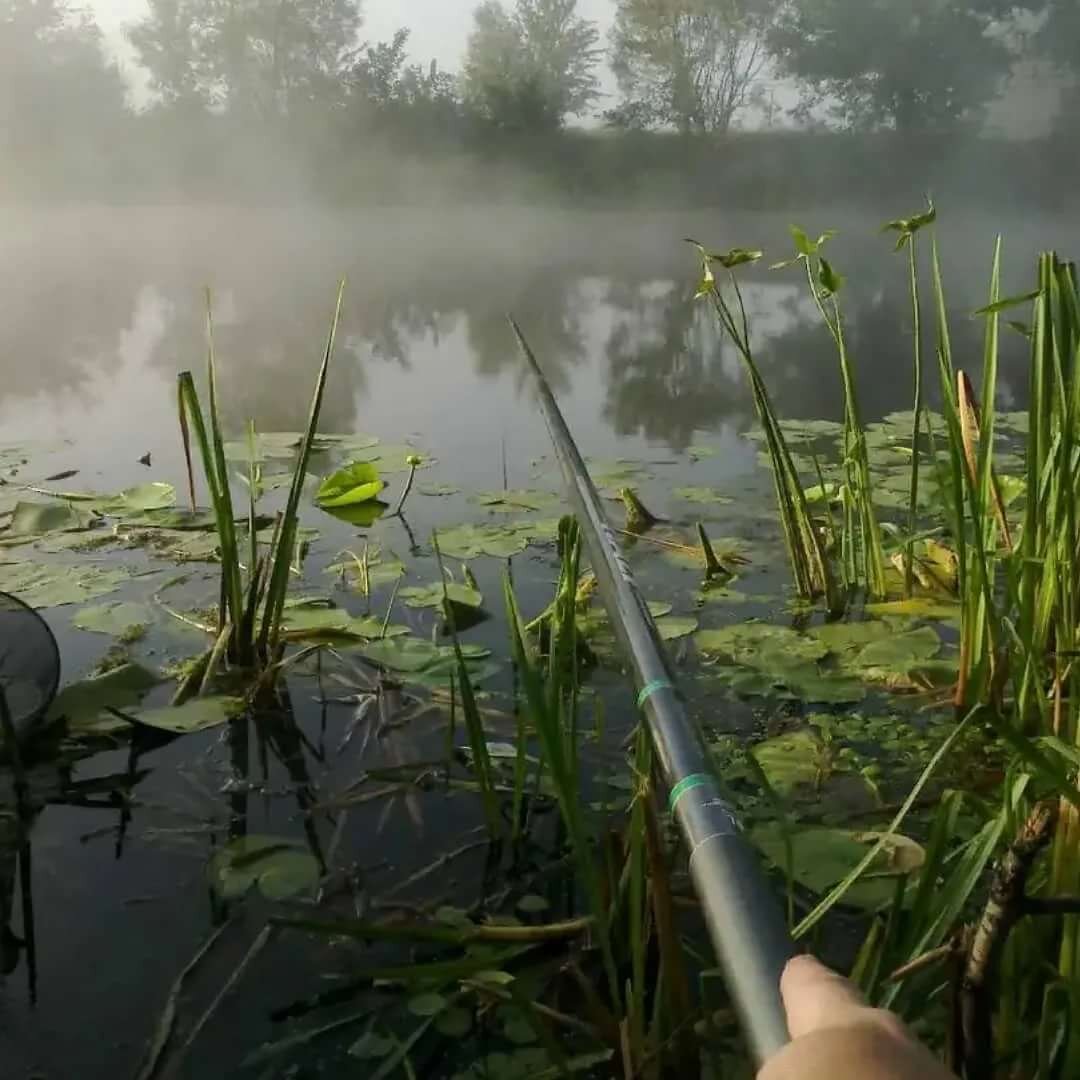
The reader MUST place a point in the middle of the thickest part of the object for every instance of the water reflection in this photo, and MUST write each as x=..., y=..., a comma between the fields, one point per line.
x=99, y=320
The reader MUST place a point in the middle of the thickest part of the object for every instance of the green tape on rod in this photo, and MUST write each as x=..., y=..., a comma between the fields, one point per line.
x=653, y=688
x=695, y=780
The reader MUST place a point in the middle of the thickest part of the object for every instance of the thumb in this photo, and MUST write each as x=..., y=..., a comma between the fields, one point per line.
x=817, y=998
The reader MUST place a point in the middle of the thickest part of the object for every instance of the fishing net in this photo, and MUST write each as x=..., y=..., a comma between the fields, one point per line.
x=29, y=664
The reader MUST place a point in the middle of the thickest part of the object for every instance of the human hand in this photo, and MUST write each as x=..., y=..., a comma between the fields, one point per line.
x=835, y=1033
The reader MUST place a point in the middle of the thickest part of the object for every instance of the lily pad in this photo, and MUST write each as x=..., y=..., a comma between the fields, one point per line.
x=378, y=572
x=454, y=1023
x=314, y=620
x=917, y=607
x=425, y=1005
x=46, y=585
x=759, y=644
x=360, y=516
x=899, y=652
x=703, y=495
x=352, y=485
x=145, y=497
x=431, y=596
x=113, y=618
x=822, y=858
x=83, y=704
x=516, y=501
x=790, y=761
x=394, y=459
x=199, y=714
x=414, y=656
x=372, y=1047
x=278, y=868
x=473, y=541
x=673, y=627
x=700, y=453
x=31, y=519
x=438, y=491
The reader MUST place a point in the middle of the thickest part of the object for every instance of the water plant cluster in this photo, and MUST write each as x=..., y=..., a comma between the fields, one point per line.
x=904, y=757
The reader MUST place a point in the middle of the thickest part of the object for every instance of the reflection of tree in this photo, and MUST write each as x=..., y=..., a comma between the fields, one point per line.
x=667, y=375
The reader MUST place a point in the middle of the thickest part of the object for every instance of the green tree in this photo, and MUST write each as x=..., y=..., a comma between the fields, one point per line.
x=263, y=57
x=689, y=64
x=531, y=68
x=914, y=66
x=61, y=101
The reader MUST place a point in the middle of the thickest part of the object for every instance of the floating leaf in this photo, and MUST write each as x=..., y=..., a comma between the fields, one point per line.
x=199, y=714
x=454, y=1023
x=760, y=643
x=46, y=585
x=701, y=495
x=673, y=627
x=84, y=704
x=360, y=516
x=700, y=453
x=473, y=541
x=392, y=459
x=533, y=904
x=822, y=858
x=415, y=656
x=372, y=1047
x=352, y=485
x=431, y=596
x=514, y=501
x=898, y=652
x=113, y=618
x=31, y=519
x=153, y=496
x=313, y=620
x=277, y=867
x=791, y=760
x=919, y=607
x=425, y=1005
x=435, y=491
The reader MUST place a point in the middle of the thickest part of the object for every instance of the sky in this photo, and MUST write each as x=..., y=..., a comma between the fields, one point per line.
x=439, y=27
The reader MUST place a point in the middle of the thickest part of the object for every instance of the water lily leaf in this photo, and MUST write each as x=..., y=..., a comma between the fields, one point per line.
x=352, y=485
x=360, y=516
x=673, y=627
x=431, y=596
x=533, y=904
x=379, y=571
x=281, y=445
x=659, y=608
x=515, y=501
x=454, y=1023
x=45, y=585
x=372, y=1047
x=31, y=519
x=394, y=459
x=199, y=714
x=791, y=760
x=759, y=644
x=917, y=607
x=844, y=637
x=425, y=1005
x=898, y=652
x=415, y=656
x=519, y=1031
x=314, y=621
x=83, y=704
x=472, y=541
x=701, y=495
x=153, y=496
x=435, y=491
x=822, y=858
x=700, y=453
x=827, y=493
x=113, y=618
x=277, y=867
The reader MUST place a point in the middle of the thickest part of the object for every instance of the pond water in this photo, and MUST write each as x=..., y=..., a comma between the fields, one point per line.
x=104, y=306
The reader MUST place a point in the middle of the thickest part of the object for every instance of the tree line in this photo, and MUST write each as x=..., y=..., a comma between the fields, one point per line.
x=697, y=67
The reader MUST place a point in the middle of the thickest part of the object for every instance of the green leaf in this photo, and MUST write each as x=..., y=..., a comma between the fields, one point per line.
x=790, y=761
x=898, y=652
x=46, y=585
x=822, y=858
x=113, y=618
x=919, y=607
x=454, y=1023
x=145, y=497
x=83, y=704
x=515, y=501
x=360, y=516
x=1009, y=302
x=735, y=257
x=415, y=656
x=830, y=280
x=372, y=1047
x=760, y=643
x=425, y=1005
x=700, y=453
x=802, y=241
x=431, y=596
x=701, y=495
x=435, y=491
x=673, y=627
x=533, y=904
x=277, y=867
x=31, y=519
x=199, y=714
x=472, y=541
x=314, y=620
x=352, y=485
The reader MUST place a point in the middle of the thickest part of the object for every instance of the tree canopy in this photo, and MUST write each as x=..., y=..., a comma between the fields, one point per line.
x=690, y=64
x=533, y=66
x=916, y=65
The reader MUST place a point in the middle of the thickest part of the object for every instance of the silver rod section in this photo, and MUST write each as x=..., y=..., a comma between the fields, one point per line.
x=745, y=922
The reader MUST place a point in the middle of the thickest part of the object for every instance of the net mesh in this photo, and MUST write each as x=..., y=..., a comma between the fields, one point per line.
x=29, y=663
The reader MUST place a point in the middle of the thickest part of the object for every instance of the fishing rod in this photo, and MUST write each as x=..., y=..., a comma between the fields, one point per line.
x=744, y=920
